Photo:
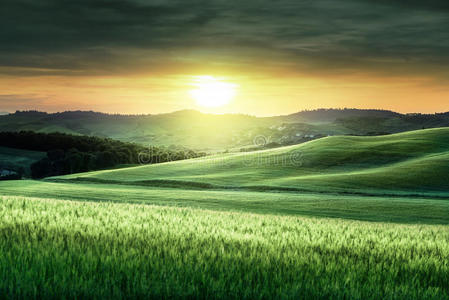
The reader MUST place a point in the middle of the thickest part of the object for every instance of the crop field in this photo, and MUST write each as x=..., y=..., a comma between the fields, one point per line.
x=239, y=228
x=54, y=248
x=384, y=209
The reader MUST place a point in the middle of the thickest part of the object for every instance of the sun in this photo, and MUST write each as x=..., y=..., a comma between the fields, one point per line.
x=212, y=92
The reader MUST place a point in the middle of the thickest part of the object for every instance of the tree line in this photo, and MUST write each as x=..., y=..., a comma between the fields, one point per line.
x=68, y=154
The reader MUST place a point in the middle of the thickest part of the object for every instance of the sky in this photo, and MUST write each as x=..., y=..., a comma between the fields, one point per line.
x=280, y=56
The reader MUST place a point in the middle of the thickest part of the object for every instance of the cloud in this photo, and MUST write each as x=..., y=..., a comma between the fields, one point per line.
x=125, y=36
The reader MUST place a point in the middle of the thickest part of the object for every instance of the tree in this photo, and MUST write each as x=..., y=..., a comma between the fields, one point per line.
x=41, y=168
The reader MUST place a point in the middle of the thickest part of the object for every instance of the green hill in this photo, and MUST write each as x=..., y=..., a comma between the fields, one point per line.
x=411, y=162
x=240, y=224
x=202, y=131
x=13, y=159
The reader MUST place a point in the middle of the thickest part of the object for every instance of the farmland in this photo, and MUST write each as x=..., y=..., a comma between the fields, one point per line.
x=101, y=250
x=348, y=218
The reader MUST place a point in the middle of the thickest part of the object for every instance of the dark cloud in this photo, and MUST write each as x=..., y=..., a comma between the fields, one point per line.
x=415, y=4
x=118, y=36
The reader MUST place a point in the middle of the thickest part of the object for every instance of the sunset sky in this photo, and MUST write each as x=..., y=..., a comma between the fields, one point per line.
x=271, y=57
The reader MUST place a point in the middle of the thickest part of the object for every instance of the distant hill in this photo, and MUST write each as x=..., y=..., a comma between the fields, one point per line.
x=187, y=128
x=212, y=132
x=331, y=115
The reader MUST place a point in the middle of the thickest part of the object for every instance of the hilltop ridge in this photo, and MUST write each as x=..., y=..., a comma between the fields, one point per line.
x=193, y=129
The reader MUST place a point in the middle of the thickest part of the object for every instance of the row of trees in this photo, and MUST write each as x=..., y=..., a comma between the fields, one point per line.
x=68, y=154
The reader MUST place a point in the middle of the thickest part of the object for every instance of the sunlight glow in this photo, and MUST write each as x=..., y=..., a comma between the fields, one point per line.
x=212, y=92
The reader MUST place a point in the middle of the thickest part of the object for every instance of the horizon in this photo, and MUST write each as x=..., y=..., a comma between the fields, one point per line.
x=218, y=114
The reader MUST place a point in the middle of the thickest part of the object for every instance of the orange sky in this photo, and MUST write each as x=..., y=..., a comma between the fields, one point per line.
x=263, y=96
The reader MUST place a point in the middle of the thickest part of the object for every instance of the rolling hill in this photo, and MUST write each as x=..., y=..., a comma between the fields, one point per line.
x=408, y=163
x=201, y=131
x=14, y=159
x=331, y=115
x=369, y=214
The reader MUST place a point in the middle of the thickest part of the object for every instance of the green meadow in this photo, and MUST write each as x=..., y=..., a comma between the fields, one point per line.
x=336, y=218
x=415, y=162
x=55, y=248
x=396, y=209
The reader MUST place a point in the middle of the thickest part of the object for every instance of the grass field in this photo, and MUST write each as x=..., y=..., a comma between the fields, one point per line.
x=412, y=162
x=346, y=218
x=384, y=209
x=54, y=248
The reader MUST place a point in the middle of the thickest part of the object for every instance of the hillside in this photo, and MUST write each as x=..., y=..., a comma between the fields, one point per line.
x=218, y=132
x=411, y=162
x=18, y=159
x=229, y=224
x=331, y=115
x=68, y=154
